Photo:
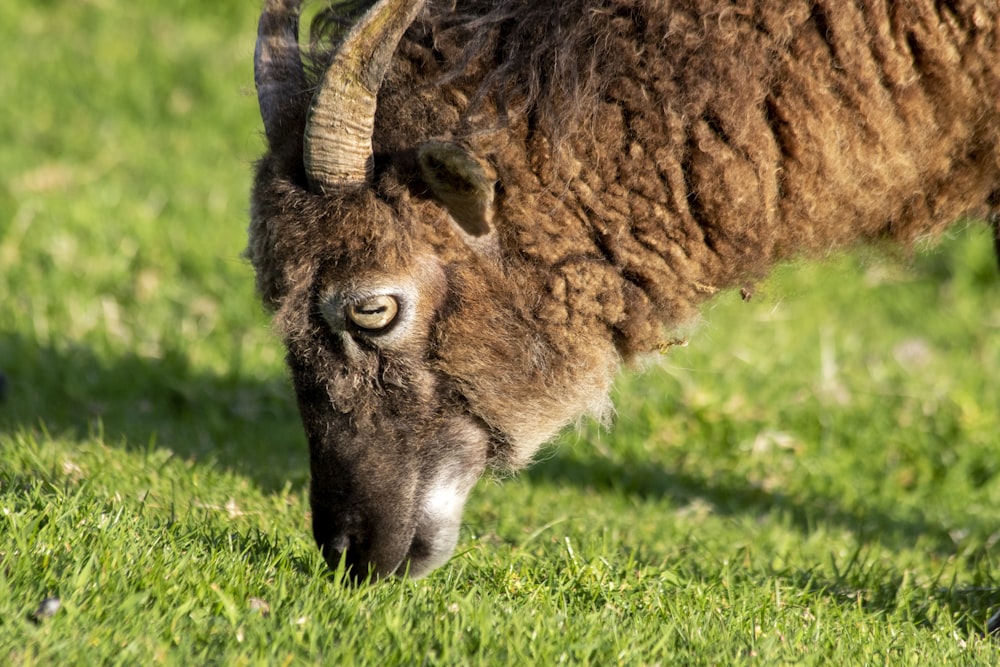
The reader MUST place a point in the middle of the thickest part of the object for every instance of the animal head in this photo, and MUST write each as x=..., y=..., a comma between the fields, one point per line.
x=416, y=335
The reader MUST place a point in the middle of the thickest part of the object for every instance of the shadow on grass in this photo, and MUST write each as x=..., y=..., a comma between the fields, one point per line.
x=867, y=583
x=247, y=424
x=729, y=496
x=251, y=425
x=862, y=581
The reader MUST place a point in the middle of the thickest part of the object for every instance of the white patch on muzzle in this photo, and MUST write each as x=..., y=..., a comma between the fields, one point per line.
x=441, y=517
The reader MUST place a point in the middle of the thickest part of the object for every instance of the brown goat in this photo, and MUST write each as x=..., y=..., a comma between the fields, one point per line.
x=471, y=213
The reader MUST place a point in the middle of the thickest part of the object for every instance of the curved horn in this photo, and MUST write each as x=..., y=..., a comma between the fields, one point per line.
x=278, y=73
x=338, y=136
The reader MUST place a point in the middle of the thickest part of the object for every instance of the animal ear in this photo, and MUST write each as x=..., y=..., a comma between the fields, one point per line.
x=461, y=183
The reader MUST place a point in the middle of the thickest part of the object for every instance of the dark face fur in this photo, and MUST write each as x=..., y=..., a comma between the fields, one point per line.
x=416, y=339
x=393, y=451
x=424, y=346
x=451, y=301
x=416, y=357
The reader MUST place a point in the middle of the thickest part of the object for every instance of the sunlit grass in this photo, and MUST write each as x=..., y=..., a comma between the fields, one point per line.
x=814, y=479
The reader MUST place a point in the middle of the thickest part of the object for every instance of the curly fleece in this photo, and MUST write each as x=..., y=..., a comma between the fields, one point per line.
x=648, y=154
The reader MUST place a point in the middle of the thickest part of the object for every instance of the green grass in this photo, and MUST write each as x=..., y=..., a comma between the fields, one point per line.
x=815, y=479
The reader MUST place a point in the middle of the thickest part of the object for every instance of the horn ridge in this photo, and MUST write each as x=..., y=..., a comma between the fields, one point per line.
x=341, y=121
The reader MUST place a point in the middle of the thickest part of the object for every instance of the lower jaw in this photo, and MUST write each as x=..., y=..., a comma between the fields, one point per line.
x=416, y=568
x=422, y=559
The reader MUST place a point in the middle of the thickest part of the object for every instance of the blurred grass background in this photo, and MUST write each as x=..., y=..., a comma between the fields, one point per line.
x=129, y=133
x=813, y=479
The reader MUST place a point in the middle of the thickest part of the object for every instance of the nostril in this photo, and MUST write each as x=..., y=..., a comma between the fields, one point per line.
x=340, y=543
x=335, y=552
x=344, y=550
x=346, y=544
x=333, y=536
x=335, y=548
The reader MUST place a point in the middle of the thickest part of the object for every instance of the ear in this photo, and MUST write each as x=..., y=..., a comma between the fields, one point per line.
x=461, y=183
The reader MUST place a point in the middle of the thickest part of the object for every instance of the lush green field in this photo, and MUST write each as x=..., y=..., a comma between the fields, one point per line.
x=815, y=479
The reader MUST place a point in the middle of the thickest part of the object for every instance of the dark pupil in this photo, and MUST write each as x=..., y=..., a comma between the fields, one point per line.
x=371, y=310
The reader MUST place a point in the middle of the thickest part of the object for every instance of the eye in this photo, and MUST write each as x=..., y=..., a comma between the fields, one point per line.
x=374, y=313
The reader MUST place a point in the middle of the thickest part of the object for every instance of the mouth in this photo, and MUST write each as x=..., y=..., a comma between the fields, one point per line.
x=437, y=531
x=410, y=549
x=430, y=548
x=395, y=509
x=426, y=555
x=426, y=552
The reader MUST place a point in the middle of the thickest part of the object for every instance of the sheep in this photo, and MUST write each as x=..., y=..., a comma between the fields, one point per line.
x=470, y=214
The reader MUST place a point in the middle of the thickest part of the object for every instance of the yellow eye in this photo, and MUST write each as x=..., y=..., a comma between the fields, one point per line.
x=374, y=313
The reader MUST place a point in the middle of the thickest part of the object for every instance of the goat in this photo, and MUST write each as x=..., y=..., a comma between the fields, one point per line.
x=471, y=213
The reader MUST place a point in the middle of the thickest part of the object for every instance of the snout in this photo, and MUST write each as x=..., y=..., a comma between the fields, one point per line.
x=363, y=550
x=389, y=477
x=373, y=549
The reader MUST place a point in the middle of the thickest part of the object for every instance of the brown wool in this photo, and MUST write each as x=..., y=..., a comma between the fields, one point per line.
x=647, y=154
x=650, y=154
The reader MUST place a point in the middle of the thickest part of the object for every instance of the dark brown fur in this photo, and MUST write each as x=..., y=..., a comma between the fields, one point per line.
x=647, y=155
x=773, y=131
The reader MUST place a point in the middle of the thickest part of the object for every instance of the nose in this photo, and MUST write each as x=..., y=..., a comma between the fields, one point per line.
x=335, y=548
x=350, y=548
x=341, y=543
x=342, y=547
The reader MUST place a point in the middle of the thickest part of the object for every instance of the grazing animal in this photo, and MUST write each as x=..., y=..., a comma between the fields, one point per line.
x=471, y=212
